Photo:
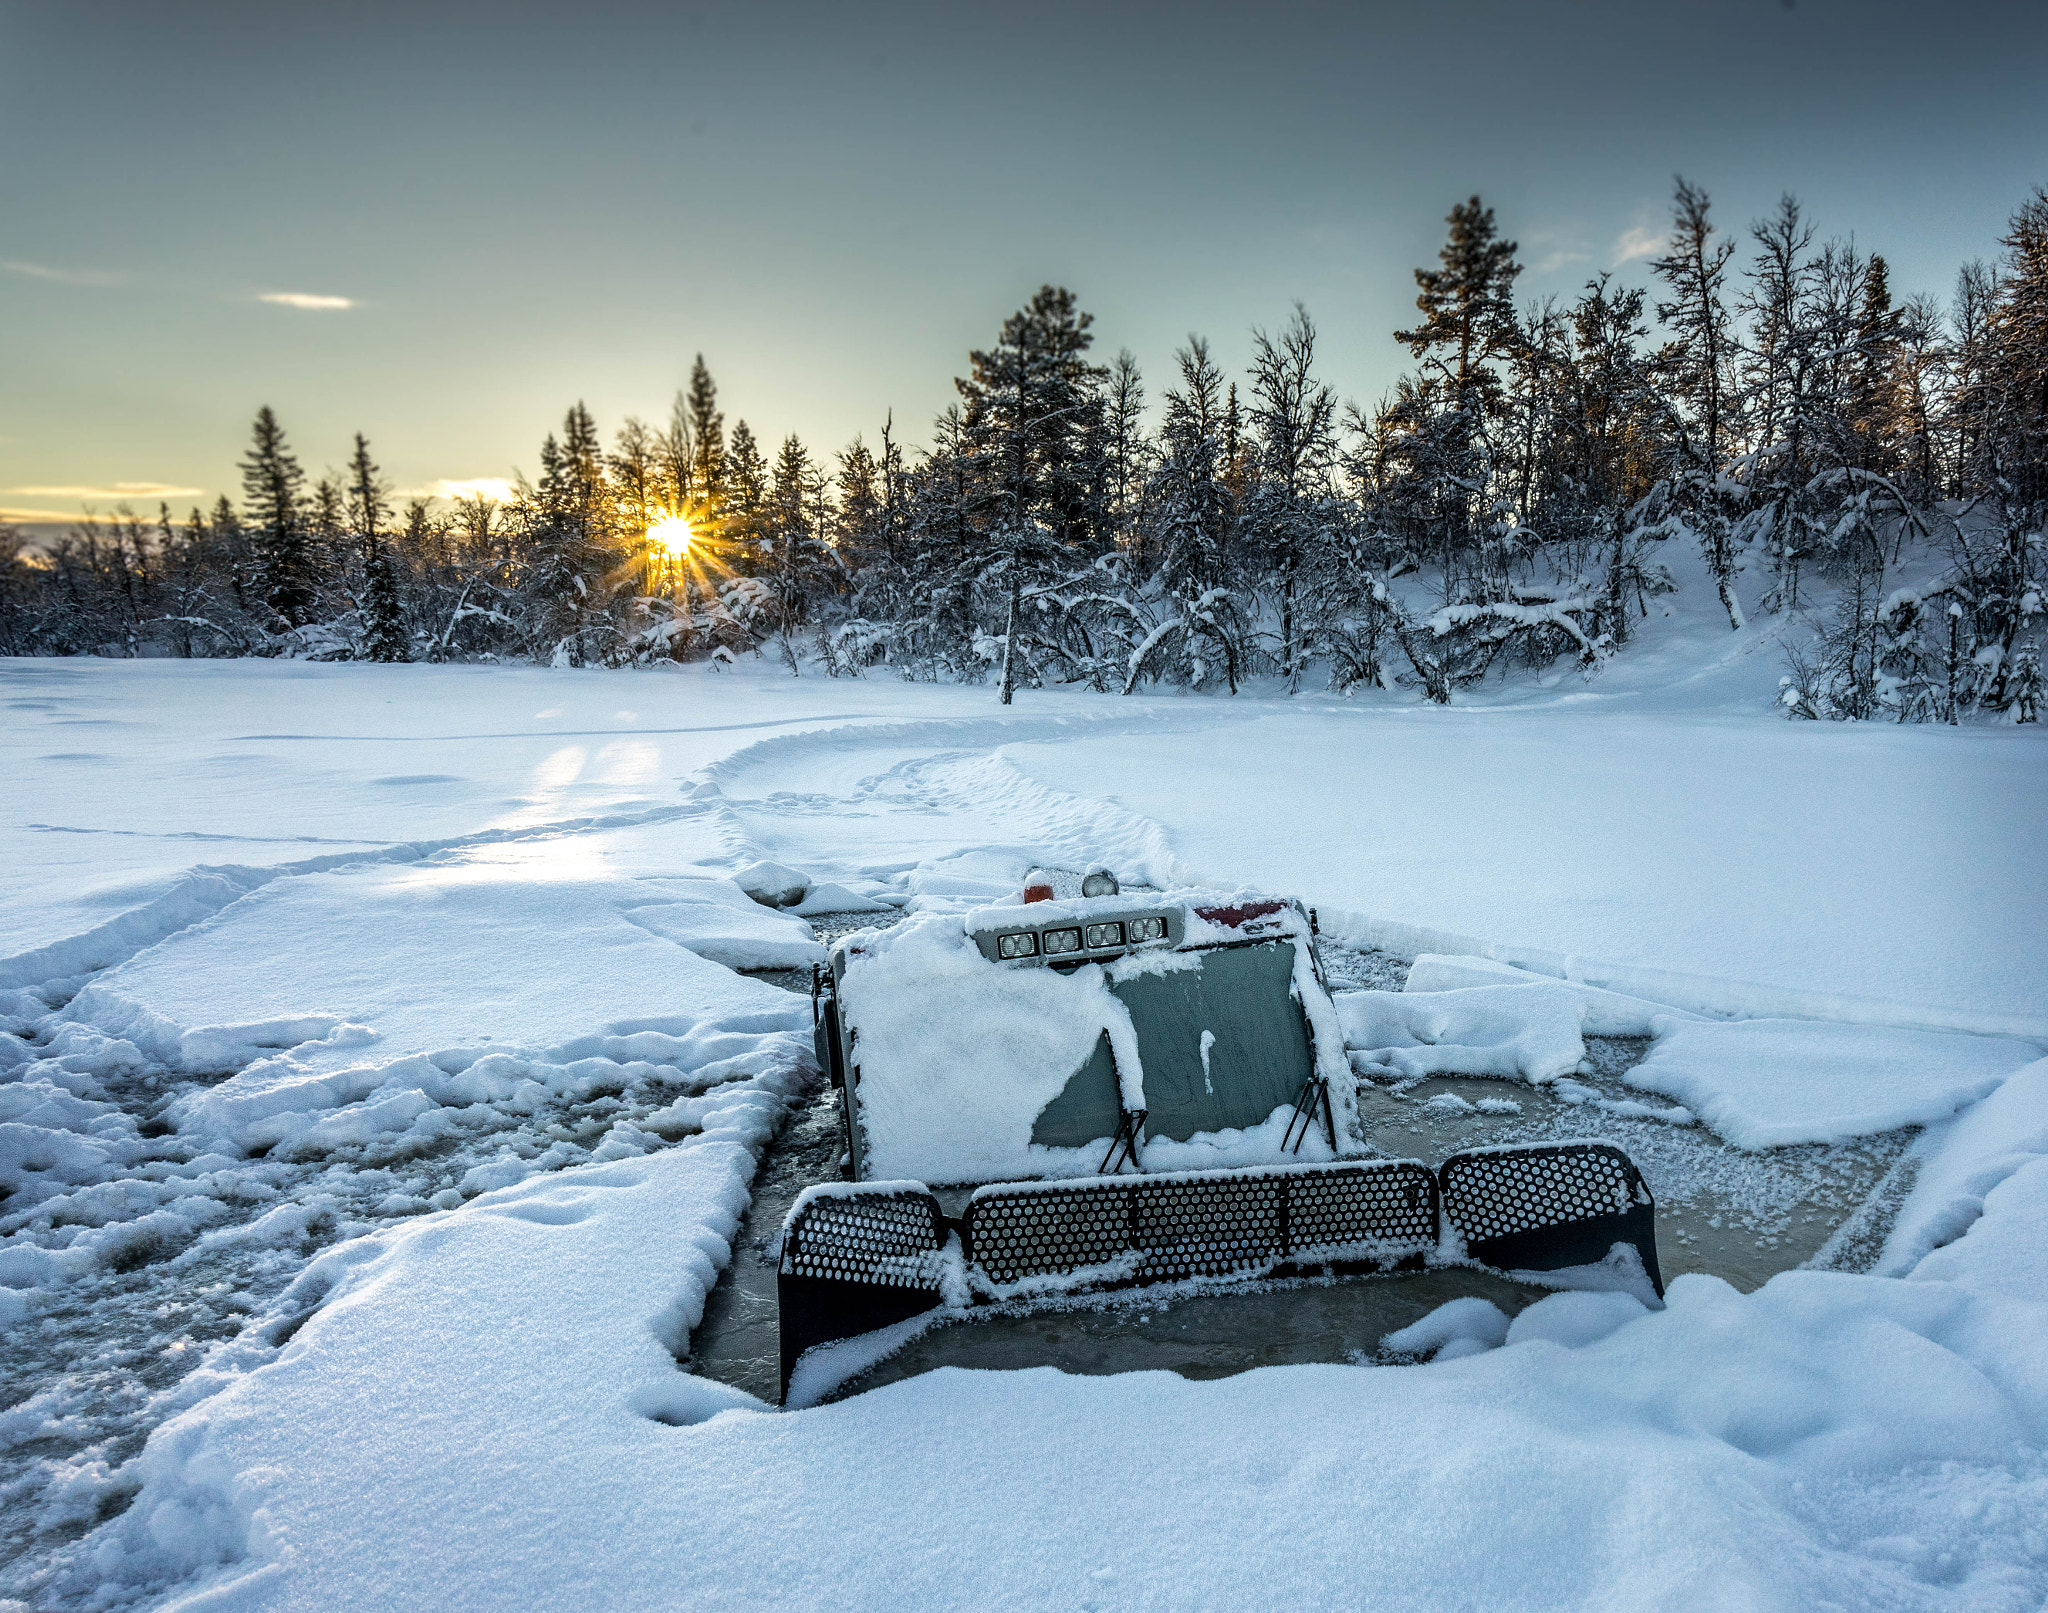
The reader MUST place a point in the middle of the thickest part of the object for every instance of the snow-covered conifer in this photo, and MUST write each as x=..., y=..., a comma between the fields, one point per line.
x=273, y=490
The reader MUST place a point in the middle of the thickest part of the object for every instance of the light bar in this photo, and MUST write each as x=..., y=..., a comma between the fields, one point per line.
x=1070, y=934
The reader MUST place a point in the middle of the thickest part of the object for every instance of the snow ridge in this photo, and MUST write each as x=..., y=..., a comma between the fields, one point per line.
x=208, y=889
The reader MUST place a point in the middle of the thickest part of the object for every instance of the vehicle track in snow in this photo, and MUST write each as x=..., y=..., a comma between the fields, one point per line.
x=173, y=1256
x=143, y=1266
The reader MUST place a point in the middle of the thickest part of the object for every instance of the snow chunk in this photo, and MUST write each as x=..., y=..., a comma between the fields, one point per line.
x=1766, y=1083
x=1529, y=1032
x=971, y=877
x=1572, y=1319
x=1456, y=1328
x=772, y=885
x=504, y=1171
x=360, y=1122
x=718, y=920
x=824, y=1367
x=566, y=1297
x=1607, y=1013
x=829, y=898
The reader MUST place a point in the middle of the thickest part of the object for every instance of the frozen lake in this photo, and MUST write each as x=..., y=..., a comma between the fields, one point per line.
x=380, y=1118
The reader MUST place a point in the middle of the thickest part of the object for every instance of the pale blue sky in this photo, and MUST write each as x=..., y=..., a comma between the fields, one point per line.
x=526, y=205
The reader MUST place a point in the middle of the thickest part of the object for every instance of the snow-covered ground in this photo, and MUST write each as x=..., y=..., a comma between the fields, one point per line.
x=381, y=1107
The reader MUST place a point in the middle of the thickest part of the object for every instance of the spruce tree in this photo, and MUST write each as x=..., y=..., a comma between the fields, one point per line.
x=1875, y=404
x=1921, y=355
x=1128, y=452
x=1605, y=450
x=1033, y=413
x=889, y=518
x=384, y=634
x=1782, y=370
x=231, y=542
x=2014, y=455
x=636, y=476
x=859, y=506
x=582, y=470
x=794, y=538
x=1971, y=366
x=705, y=428
x=744, y=490
x=1192, y=514
x=1037, y=457
x=1468, y=306
x=21, y=624
x=2019, y=362
x=565, y=521
x=1695, y=270
x=1468, y=325
x=272, y=484
x=326, y=521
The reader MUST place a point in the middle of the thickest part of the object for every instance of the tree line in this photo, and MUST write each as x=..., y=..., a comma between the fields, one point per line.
x=1521, y=498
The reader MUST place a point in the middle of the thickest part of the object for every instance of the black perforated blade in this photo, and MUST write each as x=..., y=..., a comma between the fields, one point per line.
x=855, y=1260
x=1550, y=1206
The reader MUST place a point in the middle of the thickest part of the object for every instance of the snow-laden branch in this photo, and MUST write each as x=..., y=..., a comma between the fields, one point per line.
x=1505, y=619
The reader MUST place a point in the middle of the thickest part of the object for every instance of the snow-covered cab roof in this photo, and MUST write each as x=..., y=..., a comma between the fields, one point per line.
x=1017, y=1042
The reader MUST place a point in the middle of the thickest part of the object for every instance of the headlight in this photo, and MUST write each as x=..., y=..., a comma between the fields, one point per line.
x=1104, y=935
x=1100, y=883
x=1146, y=929
x=1058, y=941
x=1021, y=945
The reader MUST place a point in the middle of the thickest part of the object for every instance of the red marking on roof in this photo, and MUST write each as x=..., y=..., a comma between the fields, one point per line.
x=1236, y=917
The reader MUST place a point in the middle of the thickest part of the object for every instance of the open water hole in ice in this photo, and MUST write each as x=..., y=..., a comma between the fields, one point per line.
x=1740, y=1216
x=1737, y=1215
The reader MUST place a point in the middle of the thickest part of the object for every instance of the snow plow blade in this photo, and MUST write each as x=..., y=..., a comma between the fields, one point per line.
x=865, y=1256
x=1550, y=1207
x=1123, y=1231
x=855, y=1259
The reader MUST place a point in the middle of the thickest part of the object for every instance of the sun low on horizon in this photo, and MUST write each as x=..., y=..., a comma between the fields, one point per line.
x=672, y=535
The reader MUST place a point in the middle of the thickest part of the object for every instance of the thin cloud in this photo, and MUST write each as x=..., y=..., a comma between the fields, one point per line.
x=305, y=299
x=117, y=490
x=1643, y=241
x=493, y=489
x=1554, y=247
x=63, y=277
x=66, y=518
